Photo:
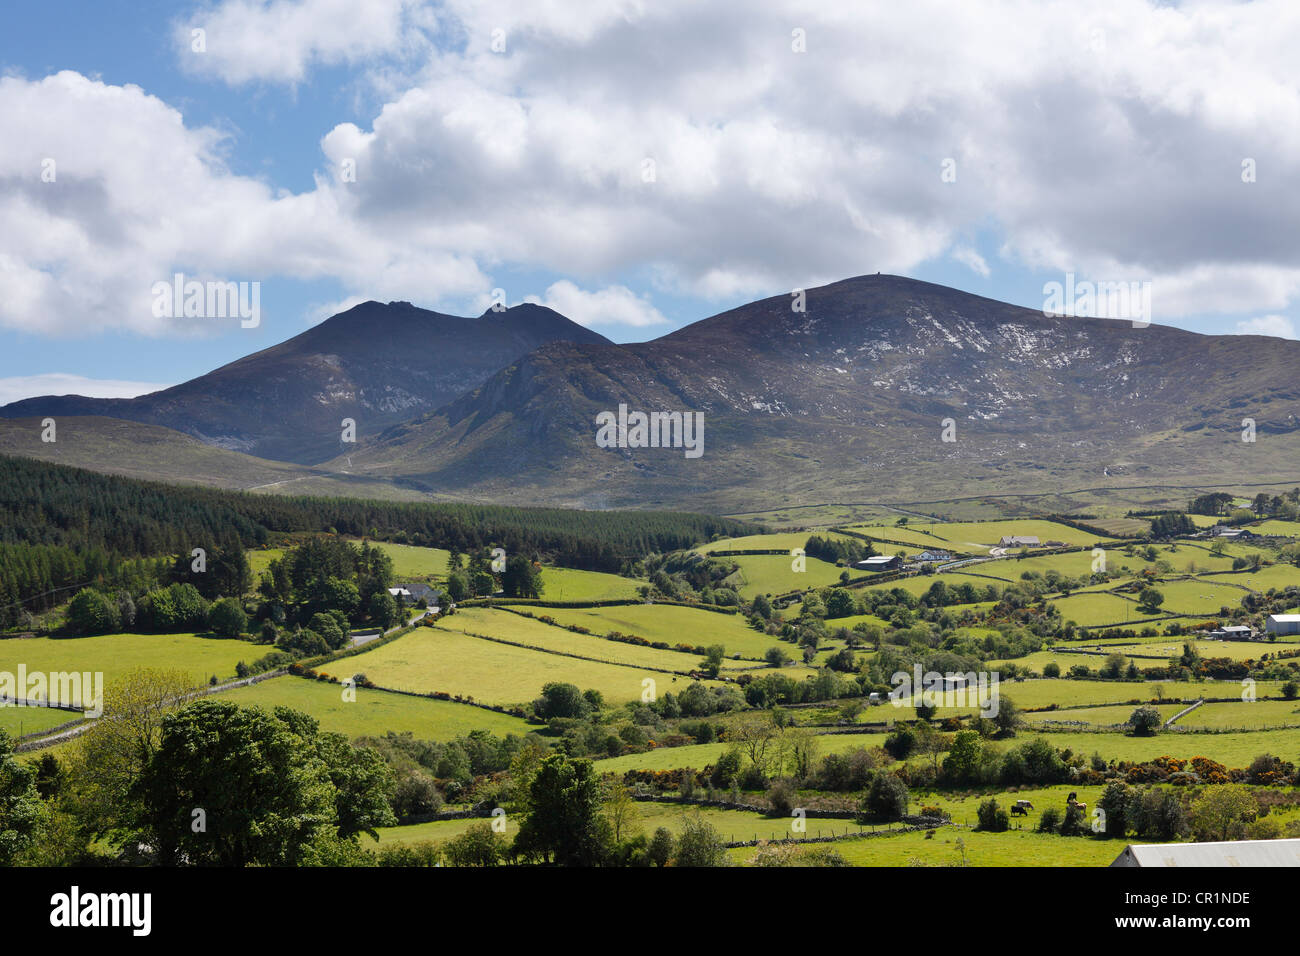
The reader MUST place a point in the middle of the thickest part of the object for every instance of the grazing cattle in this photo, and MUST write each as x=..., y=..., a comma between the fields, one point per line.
x=1018, y=811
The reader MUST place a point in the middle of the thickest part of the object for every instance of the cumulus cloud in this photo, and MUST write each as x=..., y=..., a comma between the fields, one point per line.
x=59, y=383
x=971, y=260
x=279, y=41
x=693, y=143
x=613, y=305
x=1278, y=326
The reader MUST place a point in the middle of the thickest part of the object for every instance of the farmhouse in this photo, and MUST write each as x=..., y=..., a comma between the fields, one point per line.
x=880, y=562
x=402, y=594
x=1282, y=624
x=1234, y=632
x=423, y=592
x=1018, y=541
x=930, y=557
x=1238, y=534
x=1228, y=853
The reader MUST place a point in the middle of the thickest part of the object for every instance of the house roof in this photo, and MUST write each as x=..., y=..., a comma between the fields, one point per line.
x=879, y=559
x=1229, y=853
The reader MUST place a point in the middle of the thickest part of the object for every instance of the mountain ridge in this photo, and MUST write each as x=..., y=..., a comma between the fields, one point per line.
x=376, y=363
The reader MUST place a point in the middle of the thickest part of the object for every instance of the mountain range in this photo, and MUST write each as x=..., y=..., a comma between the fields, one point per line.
x=880, y=388
x=376, y=364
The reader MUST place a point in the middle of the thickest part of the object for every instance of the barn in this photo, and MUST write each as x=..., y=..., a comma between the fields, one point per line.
x=1229, y=853
x=1283, y=624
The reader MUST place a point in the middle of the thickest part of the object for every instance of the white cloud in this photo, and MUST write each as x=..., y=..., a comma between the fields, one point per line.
x=1107, y=143
x=59, y=383
x=1278, y=326
x=279, y=41
x=612, y=305
x=971, y=260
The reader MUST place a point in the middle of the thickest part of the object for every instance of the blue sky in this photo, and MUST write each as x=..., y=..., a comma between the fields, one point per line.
x=504, y=146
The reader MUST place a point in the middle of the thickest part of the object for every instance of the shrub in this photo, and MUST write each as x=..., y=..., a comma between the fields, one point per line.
x=781, y=798
x=886, y=798
x=1050, y=821
x=477, y=846
x=992, y=818
x=1145, y=721
x=226, y=618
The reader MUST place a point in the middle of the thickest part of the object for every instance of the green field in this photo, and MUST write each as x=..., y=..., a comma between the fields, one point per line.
x=669, y=624
x=773, y=574
x=976, y=535
x=1276, y=526
x=17, y=721
x=566, y=584
x=375, y=712
x=700, y=756
x=1012, y=848
x=444, y=659
x=523, y=630
x=1097, y=716
x=1092, y=608
x=1274, y=576
x=765, y=542
x=115, y=654
x=1229, y=749
x=1254, y=715
x=1043, y=692
x=916, y=536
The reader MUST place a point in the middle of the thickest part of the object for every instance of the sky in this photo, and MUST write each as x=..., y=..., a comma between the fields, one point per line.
x=636, y=166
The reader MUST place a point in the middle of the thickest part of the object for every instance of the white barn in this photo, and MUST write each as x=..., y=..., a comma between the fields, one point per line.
x=1228, y=853
x=1283, y=624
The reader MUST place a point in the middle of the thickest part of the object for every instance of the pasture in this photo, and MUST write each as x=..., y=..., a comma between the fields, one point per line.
x=374, y=712
x=444, y=659
x=669, y=624
x=774, y=574
x=523, y=630
x=1012, y=848
x=115, y=654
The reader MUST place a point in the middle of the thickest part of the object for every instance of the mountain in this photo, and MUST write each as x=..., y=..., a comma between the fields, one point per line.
x=377, y=364
x=849, y=401
x=119, y=447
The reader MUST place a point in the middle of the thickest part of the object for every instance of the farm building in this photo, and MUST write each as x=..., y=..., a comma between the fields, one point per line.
x=423, y=592
x=880, y=562
x=1234, y=632
x=1240, y=534
x=1282, y=624
x=402, y=594
x=1018, y=541
x=930, y=557
x=1229, y=853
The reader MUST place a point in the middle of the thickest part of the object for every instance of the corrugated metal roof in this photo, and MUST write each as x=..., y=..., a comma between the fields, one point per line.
x=1230, y=853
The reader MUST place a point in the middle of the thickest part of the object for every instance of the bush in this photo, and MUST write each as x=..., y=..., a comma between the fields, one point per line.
x=700, y=844
x=477, y=846
x=226, y=618
x=992, y=818
x=886, y=798
x=92, y=613
x=661, y=847
x=781, y=798
x=1145, y=721
x=1050, y=821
